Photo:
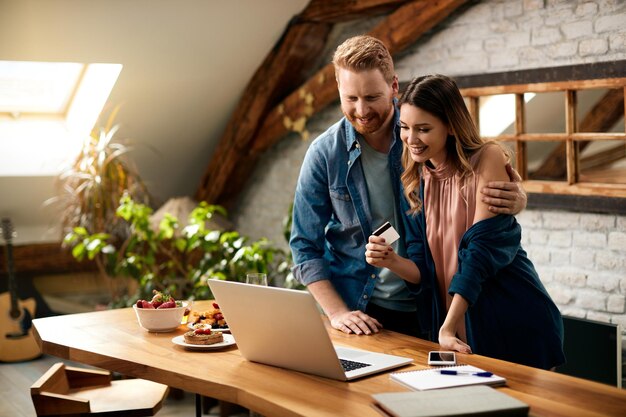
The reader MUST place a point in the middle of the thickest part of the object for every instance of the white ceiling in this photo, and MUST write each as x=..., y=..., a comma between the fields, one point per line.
x=186, y=64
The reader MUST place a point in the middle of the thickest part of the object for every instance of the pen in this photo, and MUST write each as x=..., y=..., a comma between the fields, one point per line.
x=451, y=372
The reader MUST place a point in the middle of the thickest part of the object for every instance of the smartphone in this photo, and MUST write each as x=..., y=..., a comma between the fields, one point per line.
x=441, y=358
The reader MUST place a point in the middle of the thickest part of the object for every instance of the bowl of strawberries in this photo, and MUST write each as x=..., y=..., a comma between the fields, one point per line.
x=161, y=314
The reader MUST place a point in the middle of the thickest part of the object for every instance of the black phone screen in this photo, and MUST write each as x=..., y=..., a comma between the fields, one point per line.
x=441, y=356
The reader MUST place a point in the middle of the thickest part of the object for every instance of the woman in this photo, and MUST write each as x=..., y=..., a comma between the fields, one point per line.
x=486, y=295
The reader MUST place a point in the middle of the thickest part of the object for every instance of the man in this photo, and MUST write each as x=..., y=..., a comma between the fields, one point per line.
x=349, y=185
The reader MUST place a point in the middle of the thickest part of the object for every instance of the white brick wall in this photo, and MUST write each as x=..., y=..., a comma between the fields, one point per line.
x=581, y=257
x=580, y=29
x=586, y=259
x=520, y=34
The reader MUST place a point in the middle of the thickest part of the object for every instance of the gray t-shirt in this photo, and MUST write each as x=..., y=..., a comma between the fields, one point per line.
x=390, y=291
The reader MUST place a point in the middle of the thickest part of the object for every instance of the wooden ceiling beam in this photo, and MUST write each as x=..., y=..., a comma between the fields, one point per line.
x=343, y=10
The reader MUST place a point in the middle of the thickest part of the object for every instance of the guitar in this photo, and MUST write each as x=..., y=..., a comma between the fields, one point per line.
x=17, y=342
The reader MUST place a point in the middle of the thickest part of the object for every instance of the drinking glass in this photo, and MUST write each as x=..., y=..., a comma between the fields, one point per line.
x=256, y=279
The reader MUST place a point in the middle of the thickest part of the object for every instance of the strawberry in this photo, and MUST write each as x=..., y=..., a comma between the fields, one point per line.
x=147, y=304
x=202, y=331
x=140, y=303
x=159, y=298
x=218, y=316
x=167, y=304
x=216, y=306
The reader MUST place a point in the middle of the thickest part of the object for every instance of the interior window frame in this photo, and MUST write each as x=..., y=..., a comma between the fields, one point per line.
x=572, y=194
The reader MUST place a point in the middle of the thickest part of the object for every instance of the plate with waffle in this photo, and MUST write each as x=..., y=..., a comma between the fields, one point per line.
x=215, y=340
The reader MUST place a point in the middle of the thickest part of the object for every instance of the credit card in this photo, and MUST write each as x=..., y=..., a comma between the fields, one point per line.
x=387, y=232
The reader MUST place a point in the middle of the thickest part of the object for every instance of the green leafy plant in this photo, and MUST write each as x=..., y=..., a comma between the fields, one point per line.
x=173, y=259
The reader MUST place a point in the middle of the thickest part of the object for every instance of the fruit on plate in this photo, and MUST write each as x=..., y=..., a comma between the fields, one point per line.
x=214, y=317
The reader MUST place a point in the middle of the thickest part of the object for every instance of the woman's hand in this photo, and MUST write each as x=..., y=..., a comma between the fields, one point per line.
x=378, y=253
x=381, y=255
x=448, y=332
x=449, y=341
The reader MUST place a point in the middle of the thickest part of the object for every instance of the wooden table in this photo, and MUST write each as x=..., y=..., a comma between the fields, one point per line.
x=114, y=341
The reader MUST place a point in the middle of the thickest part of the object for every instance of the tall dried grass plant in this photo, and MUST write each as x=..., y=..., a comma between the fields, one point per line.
x=91, y=186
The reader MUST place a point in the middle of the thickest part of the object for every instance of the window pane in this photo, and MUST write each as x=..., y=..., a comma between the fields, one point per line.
x=602, y=161
x=37, y=87
x=547, y=160
x=497, y=115
x=600, y=110
x=545, y=113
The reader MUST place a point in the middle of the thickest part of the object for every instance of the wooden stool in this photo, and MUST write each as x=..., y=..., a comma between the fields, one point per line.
x=69, y=391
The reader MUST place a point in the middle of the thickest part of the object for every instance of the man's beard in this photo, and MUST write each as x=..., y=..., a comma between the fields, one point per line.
x=374, y=125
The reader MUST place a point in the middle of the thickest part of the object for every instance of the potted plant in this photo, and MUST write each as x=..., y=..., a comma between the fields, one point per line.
x=176, y=259
x=90, y=188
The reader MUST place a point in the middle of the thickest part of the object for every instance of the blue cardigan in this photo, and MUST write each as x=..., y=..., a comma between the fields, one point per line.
x=510, y=314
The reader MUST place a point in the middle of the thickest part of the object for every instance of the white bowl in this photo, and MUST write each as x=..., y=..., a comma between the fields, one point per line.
x=160, y=319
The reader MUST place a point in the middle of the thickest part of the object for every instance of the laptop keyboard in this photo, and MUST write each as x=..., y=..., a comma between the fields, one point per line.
x=352, y=365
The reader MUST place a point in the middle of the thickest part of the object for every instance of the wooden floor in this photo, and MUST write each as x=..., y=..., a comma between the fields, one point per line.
x=16, y=379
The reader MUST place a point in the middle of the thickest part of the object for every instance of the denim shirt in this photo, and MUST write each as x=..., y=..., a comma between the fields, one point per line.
x=331, y=213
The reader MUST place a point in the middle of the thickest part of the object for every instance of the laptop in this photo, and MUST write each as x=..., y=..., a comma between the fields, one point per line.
x=283, y=327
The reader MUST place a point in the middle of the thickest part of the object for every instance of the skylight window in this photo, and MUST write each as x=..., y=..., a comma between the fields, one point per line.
x=37, y=87
x=47, y=109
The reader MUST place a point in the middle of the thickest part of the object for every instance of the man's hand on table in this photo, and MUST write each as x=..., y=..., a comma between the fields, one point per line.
x=356, y=322
x=341, y=318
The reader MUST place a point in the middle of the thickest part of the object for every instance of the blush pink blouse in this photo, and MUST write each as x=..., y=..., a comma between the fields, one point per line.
x=449, y=210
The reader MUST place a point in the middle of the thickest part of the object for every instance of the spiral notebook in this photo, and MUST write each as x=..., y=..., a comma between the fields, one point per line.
x=432, y=378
